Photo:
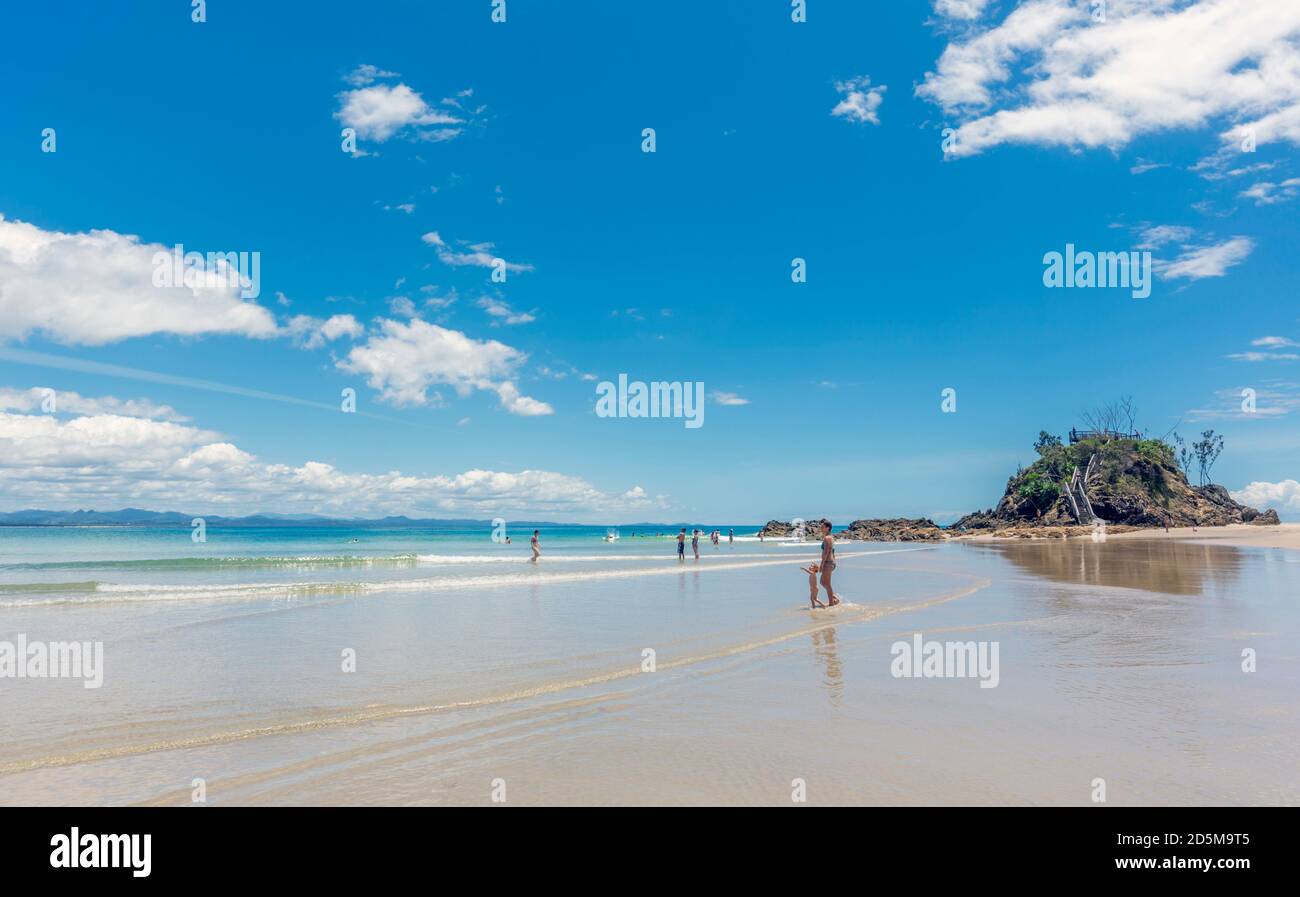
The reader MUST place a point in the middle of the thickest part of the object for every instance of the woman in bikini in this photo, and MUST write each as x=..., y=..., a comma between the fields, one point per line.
x=828, y=563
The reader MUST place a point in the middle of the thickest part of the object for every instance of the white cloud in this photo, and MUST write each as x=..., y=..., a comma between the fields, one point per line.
x=1264, y=356
x=1206, y=261
x=503, y=312
x=64, y=401
x=1163, y=234
x=1266, y=193
x=1049, y=74
x=512, y=401
x=401, y=305
x=1273, y=399
x=109, y=461
x=861, y=100
x=312, y=333
x=98, y=287
x=437, y=302
x=966, y=10
x=475, y=254
x=1142, y=166
x=407, y=359
x=728, y=398
x=1273, y=342
x=1281, y=496
x=379, y=111
x=367, y=74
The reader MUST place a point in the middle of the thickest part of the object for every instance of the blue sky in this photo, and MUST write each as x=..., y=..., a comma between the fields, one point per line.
x=775, y=140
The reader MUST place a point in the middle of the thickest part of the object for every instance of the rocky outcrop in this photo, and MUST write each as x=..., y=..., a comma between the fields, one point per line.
x=896, y=530
x=780, y=529
x=899, y=529
x=1130, y=482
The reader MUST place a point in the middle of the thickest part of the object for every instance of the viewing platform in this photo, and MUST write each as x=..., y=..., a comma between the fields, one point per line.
x=1080, y=435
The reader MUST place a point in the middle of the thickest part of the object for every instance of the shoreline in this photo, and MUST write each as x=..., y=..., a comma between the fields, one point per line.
x=1284, y=536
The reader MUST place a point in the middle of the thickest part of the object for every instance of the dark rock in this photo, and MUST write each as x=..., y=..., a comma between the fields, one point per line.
x=899, y=529
x=780, y=529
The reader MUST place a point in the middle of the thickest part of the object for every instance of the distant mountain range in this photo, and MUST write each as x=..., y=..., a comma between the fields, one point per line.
x=140, y=517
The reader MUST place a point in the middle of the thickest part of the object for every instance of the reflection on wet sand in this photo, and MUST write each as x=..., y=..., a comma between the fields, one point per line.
x=1170, y=567
x=824, y=647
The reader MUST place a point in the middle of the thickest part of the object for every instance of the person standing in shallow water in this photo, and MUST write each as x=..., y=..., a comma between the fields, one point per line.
x=695, y=543
x=681, y=545
x=828, y=563
x=536, y=545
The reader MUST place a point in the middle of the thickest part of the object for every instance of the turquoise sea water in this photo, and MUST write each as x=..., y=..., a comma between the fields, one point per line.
x=119, y=563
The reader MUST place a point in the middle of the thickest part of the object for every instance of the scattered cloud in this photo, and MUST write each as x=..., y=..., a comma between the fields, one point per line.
x=1212, y=260
x=1142, y=166
x=965, y=10
x=113, y=460
x=1273, y=399
x=1050, y=74
x=64, y=401
x=568, y=370
x=1163, y=234
x=1267, y=193
x=1199, y=256
x=97, y=287
x=474, y=254
x=727, y=398
x=402, y=306
x=1264, y=356
x=403, y=361
x=1281, y=496
x=503, y=312
x=1216, y=167
x=379, y=111
x=367, y=74
x=312, y=333
x=860, y=100
x=438, y=302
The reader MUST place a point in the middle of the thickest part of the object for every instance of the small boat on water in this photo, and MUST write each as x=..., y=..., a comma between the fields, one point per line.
x=611, y=535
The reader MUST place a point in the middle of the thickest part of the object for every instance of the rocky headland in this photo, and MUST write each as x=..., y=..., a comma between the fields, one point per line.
x=1123, y=482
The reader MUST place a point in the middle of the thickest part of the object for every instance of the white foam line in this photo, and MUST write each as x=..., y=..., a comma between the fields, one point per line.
x=108, y=593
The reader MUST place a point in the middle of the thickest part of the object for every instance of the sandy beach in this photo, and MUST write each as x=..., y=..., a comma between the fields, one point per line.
x=612, y=674
x=1285, y=535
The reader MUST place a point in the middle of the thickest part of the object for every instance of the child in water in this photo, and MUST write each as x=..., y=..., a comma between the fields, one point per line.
x=812, y=570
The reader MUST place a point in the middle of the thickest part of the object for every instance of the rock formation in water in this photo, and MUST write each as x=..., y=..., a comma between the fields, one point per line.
x=1124, y=481
x=896, y=530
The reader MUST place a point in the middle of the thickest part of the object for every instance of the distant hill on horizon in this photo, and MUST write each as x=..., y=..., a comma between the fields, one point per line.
x=141, y=517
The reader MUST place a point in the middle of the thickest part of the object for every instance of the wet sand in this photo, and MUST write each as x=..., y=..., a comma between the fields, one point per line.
x=1119, y=660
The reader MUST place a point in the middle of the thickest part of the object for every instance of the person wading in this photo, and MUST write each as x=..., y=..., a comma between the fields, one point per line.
x=828, y=563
